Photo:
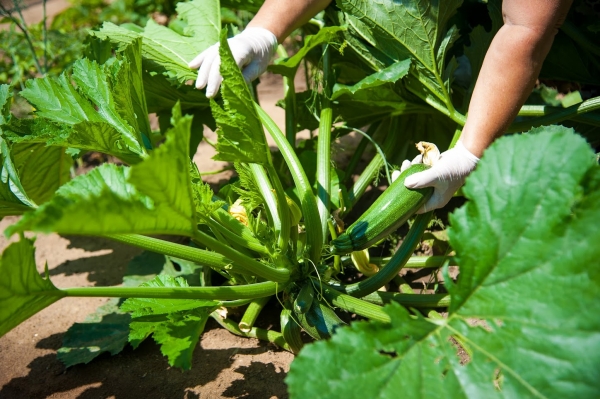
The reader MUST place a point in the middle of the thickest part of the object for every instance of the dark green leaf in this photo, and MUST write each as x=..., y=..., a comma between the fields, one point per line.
x=23, y=292
x=526, y=274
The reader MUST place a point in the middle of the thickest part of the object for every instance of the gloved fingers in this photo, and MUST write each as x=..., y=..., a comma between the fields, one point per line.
x=197, y=61
x=427, y=178
x=405, y=165
x=396, y=173
x=252, y=71
x=417, y=159
x=438, y=200
x=205, y=68
x=214, y=79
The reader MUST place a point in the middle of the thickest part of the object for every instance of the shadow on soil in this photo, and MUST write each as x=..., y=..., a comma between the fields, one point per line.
x=103, y=270
x=145, y=373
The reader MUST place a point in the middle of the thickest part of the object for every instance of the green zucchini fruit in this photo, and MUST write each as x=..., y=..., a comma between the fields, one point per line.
x=320, y=321
x=392, y=209
x=304, y=298
x=291, y=330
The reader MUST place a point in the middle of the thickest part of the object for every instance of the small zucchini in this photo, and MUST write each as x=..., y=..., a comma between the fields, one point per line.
x=291, y=330
x=304, y=299
x=320, y=321
x=392, y=209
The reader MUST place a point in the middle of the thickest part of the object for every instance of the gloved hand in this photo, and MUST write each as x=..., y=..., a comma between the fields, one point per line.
x=252, y=50
x=446, y=176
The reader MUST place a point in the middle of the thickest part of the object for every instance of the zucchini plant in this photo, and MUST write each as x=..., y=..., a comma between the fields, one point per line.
x=276, y=232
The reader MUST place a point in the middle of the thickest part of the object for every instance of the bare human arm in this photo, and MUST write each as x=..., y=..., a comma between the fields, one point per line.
x=282, y=17
x=511, y=67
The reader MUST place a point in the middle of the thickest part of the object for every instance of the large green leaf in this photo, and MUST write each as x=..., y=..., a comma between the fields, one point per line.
x=167, y=52
x=402, y=30
x=42, y=170
x=240, y=132
x=176, y=324
x=289, y=66
x=526, y=249
x=107, y=329
x=97, y=114
x=152, y=197
x=23, y=292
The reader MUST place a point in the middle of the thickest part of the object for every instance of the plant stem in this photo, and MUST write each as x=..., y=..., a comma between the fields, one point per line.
x=554, y=117
x=251, y=313
x=258, y=333
x=324, y=145
x=283, y=209
x=391, y=269
x=417, y=261
x=289, y=91
x=196, y=255
x=355, y=305
x=372, y=169
x=279, y=275
x=239, y=229
x=23, y=27
x=310, y=210
x=358, y=152
x=409, y=300
x=249, y=291
x=266, y=190
x=234, y=236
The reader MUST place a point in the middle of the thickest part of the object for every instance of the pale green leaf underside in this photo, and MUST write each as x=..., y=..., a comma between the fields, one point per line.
x=166, y=51
x=23, y=292
x=527, y=271
x=152, y=197
x=241, y=137
x=390, y=74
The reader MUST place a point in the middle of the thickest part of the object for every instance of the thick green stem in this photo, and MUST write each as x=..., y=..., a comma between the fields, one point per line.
x=251, y=313
x=258, y=333
x=289, y=92
x=253, y=266
x=417, y=261
x=196, y=255
x=236, y=232
x=266, y=189
x=250, y=291
x=355, y=305
x=358, y=152
x=409, y=300
x=310, y=210
x=372, y=169
x=392, y=268
x=324, y=145
x=554, y=117
x=283, y=209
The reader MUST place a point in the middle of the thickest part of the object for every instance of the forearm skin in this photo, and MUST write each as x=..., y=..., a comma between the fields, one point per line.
x=510, y=68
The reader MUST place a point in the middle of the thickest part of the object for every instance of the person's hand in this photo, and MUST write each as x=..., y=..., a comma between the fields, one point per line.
x=252, y=50
x=446, y=175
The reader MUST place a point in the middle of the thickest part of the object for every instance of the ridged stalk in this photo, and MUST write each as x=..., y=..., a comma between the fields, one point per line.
x=355, y=305
x=372, y=169
x=558, y=116
x=196, y=255
x=256, y=268
x=324, y=146
x=310, y=210
x=258, y=333
x=251, y=313
x=417, y=261
x=250, y=291
x=392, y=268
x=253, y=244
x=409, y=300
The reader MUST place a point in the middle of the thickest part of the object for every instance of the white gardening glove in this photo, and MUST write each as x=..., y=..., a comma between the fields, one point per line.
x=446, y=176
x=252, y=50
